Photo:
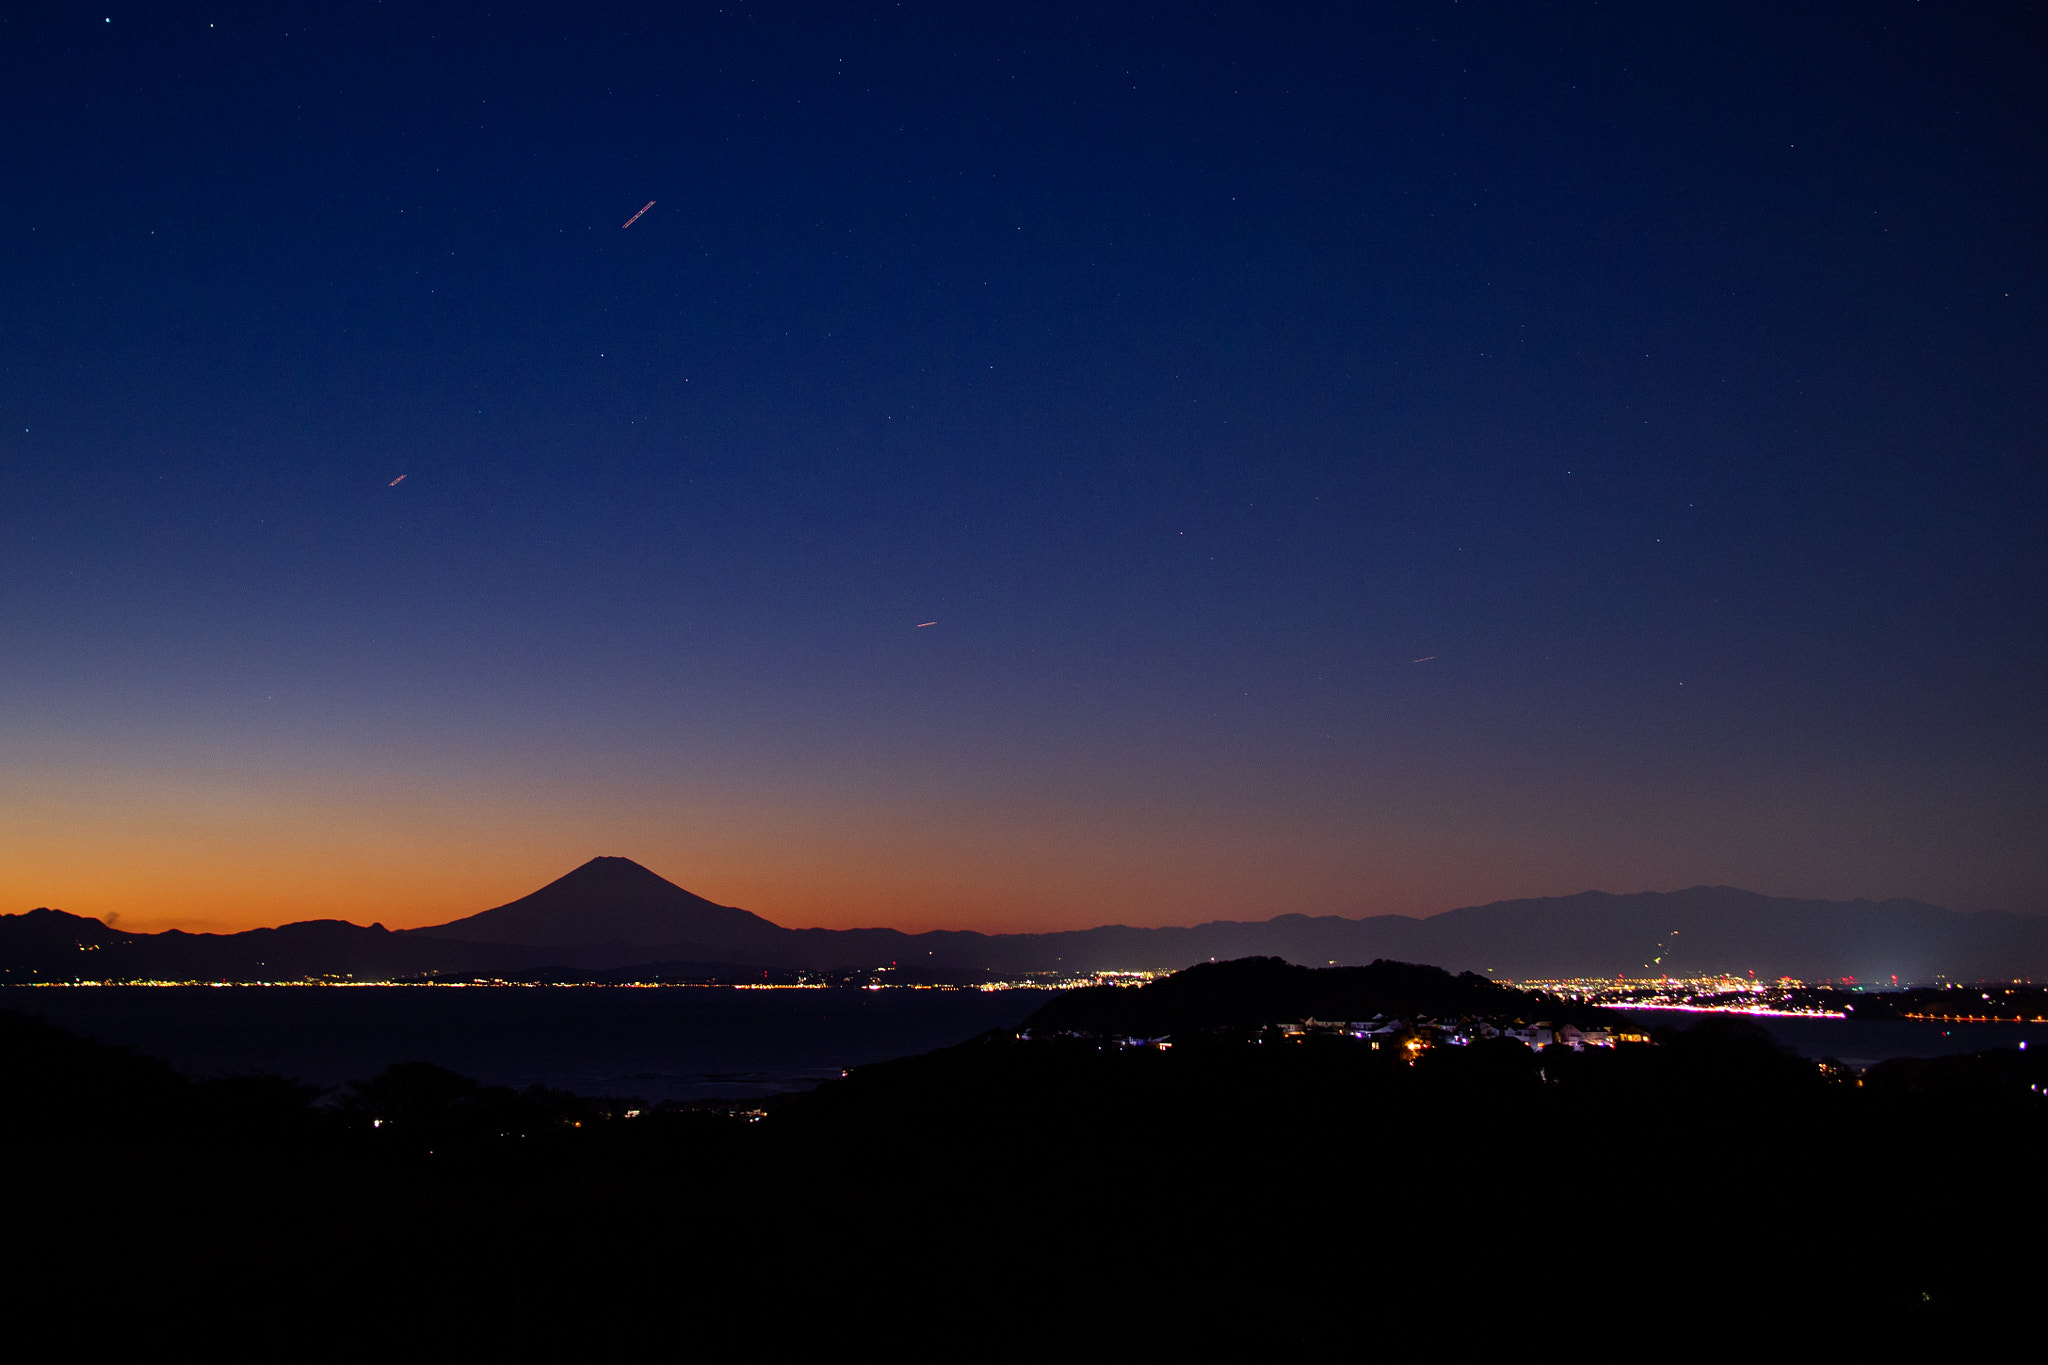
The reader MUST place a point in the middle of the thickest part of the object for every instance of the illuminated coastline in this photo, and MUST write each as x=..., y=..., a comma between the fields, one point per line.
x=1763, y=1010
x=1721, y=993
x=825, y=982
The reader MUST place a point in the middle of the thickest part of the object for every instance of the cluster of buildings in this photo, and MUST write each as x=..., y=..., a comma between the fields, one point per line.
x=1721, y=994
x=1413, y=1036
x=1424, y=1032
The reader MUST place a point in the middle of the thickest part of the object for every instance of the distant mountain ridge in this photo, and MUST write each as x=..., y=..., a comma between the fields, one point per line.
x=612, y=913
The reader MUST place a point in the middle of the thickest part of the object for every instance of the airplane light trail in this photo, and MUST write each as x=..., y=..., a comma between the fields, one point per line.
x=1423, y=660
x=395, y=482
x=636, y=217
x=922, y=624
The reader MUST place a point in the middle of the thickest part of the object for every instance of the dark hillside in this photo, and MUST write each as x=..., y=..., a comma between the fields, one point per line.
x=49, y=945
x=1225, y=1196
x=1266, y=990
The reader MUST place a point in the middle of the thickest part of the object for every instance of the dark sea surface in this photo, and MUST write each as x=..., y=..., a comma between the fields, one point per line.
x=676, y=1042
x=1861, y=1042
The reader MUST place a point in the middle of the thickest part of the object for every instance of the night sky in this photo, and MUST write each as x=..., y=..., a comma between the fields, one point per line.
x=1358, y=458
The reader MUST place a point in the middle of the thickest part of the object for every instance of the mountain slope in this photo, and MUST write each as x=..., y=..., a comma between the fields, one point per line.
x=46, y=945
x=612, y=901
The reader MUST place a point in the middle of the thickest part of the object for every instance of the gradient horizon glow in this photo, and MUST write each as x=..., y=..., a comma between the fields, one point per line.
x=1669, y=385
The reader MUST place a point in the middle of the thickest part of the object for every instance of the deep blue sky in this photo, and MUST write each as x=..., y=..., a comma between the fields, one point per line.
x=1672, y=382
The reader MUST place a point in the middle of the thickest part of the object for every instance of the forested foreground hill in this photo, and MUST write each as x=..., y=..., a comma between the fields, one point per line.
x=1227, y=1194
x=1267, y=990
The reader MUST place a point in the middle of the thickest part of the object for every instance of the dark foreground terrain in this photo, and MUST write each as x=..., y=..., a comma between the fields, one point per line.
x=1244, y=1190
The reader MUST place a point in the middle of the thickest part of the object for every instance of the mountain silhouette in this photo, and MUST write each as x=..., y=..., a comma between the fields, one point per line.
x=611, y=901
x=612, y=915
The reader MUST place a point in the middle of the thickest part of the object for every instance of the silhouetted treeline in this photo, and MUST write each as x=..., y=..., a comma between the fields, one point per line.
x=61, y=1088
x=1230, y=1195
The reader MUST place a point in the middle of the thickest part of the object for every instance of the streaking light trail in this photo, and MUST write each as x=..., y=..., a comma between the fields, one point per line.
x=395, y=482
x=636, y=217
